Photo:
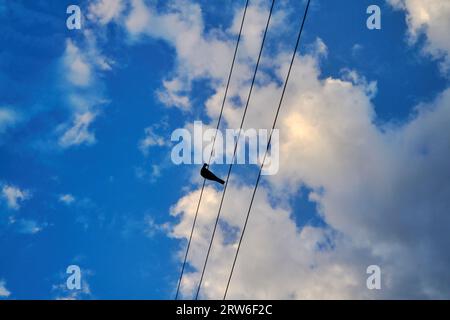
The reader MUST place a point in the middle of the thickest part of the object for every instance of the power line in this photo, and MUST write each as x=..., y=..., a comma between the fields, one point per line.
x=268, y=145
x=234, y=152
x=212, y=149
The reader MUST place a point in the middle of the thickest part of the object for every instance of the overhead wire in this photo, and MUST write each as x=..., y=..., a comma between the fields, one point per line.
x=212, y=150
x=234, y=152
x=267, y=148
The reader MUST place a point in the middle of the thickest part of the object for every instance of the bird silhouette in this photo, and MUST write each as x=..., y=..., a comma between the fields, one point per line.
x=205, y=173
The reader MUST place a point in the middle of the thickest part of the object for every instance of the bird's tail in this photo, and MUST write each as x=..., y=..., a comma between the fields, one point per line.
x=220, y=181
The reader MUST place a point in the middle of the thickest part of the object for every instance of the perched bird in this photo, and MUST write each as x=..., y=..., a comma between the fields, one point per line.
x=205, y=173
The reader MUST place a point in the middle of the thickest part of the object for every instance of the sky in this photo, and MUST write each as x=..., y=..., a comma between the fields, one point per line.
x=87, y=179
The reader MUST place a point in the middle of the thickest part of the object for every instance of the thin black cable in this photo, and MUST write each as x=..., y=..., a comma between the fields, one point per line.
x=212, y=149
x=235, y=147
x=267, y=149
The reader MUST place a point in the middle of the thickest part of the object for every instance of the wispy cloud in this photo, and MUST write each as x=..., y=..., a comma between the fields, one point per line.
x=146, y=227
x=61, y=292
x=152, y=139
x=82, y=65
x=28, y=226
x=78, y=132
x=67, y=198
x=151, y=174
x=356, y=49
x=8, y=118
x=151, y=228
x=78, y=70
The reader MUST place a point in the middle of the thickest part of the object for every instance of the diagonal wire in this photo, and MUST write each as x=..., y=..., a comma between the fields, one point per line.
x=268, y=146
x=212, y=149
x=235, y=147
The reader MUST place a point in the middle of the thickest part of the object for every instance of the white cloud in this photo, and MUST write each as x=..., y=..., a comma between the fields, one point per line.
x=79, y=72
x=14, y=196
x=152, y=228
x=253, y=30
x=320, y=48
x=106, y=10
x=79, y=132
x=82, y=60
x=138, y=18
x=83, y=63
x=384, y=196
x=430, y=18
x=27, y=226
x=67, y=198
x=93, y=54
x=8, y=118
x=382, y=191
x=277, y=260
x=172, y=95
x=61, y=291
x=146, y=226
x=151, y=139
x=4, y=292
x=182, y=27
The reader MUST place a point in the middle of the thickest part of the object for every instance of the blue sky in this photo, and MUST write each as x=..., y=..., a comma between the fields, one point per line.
x=115, y=222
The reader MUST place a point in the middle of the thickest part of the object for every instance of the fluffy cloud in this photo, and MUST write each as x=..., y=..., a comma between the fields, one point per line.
x=4, y=292
x=383, y=193
x=14, y=196
x=105, y=11
x=277, y=259
x=181, y=25
x=381, y=187
x=432, y=19
x=172, y=94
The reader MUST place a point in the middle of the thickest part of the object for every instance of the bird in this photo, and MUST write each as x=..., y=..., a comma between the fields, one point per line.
x=205, y=173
